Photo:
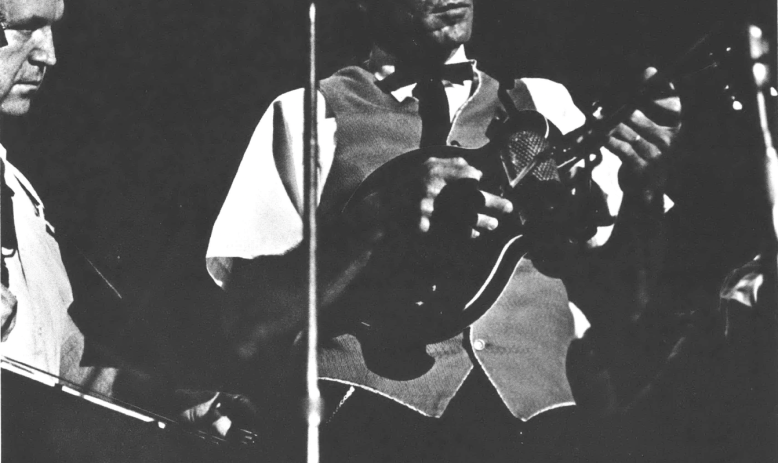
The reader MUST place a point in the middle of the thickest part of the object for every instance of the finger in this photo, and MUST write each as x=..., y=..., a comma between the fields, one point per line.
x=467, y=172
x=424, y=224
x=450, y=169
x=427, y=207
x=660, y=137
x=626, y=153
x=661, y=102
x=494, y=203
x=671, y=103
x=461, y=169
x=642, y=146
x=438, y=173
x=664, y=112
x=626, y=134
x=432, y=187
x=202, y=413
x=486, y=223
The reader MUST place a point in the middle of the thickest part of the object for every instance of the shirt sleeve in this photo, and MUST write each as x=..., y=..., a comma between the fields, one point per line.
x=262, y=214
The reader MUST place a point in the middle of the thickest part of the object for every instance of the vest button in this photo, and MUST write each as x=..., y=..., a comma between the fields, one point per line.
x=479, y=344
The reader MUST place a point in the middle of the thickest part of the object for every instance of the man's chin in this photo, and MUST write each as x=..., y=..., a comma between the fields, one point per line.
x=440, y=46
x=15, y=106
x=449, y=37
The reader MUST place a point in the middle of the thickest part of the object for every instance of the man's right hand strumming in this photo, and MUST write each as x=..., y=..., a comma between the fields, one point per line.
x=435, y=176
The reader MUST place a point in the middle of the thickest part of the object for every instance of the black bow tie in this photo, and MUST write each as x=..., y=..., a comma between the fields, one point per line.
x=455, y=73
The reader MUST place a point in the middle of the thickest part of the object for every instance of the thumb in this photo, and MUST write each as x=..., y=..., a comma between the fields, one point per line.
x=201, y=412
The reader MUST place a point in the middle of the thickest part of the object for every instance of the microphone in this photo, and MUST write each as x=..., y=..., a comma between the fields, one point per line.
x=523, y=142
x=522, y=147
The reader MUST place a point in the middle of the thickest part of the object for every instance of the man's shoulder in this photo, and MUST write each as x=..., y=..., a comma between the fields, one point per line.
x=291, y=102
x=348, y=80
x=351, y=73
x=350, y=76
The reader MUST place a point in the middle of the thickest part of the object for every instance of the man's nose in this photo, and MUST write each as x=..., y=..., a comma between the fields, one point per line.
x=44, y=53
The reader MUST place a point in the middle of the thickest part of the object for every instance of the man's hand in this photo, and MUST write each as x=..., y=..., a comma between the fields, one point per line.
x=434, y=175
x=642, y=143
x=217, y=412
x=9, y=312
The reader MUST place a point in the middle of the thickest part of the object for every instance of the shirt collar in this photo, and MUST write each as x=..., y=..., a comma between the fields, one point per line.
x=382, y=65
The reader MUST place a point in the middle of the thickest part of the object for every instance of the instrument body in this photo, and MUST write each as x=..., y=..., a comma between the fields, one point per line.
x=423, y=288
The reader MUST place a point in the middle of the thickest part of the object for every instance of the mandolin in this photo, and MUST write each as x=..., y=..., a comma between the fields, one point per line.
x=416, y=290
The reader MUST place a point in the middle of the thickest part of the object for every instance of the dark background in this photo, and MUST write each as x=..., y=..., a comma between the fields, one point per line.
x=137, y=133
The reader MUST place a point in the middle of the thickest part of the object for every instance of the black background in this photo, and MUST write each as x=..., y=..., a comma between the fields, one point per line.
x=137, y=133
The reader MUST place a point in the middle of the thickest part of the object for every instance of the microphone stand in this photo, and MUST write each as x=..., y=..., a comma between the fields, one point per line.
x=313, y=403
x=2, y=257
x=759, y=48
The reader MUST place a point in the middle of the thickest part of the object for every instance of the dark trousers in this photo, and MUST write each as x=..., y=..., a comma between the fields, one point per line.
x=476, y=427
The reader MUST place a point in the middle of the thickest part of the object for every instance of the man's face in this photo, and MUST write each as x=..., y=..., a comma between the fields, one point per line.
x=29, y=52
x=421, y=30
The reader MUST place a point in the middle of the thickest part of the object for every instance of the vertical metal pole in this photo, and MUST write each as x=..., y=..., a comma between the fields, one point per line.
x=774, y=83
x=2, y=258
x=759, y=48
x=770, y=159
x=311, y=159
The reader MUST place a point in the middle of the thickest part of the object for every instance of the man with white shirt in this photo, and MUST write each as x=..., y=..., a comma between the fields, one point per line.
x=483, y=387
x=37, y=329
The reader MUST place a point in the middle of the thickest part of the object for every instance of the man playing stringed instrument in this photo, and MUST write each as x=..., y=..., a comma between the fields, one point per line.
x=37, y=330
x=482, y=392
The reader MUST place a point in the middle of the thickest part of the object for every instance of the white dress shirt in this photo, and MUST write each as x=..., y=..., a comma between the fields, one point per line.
x=44, y=336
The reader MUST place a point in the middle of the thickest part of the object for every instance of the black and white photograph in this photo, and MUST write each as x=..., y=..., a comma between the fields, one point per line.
x=385, y=231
